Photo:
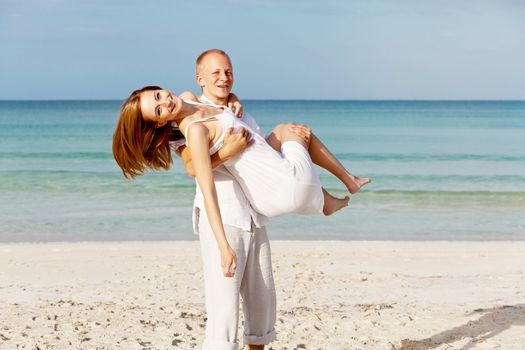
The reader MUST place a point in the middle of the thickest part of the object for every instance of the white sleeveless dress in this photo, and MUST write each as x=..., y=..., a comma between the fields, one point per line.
x=274, y=183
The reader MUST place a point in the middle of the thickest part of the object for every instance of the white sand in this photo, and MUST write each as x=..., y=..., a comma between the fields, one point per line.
x=331, y=295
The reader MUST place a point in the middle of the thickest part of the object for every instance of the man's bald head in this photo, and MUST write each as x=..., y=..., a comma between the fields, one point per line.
x=201, y=60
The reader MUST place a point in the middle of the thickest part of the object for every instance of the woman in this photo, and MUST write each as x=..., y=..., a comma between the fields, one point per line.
x=276, y=174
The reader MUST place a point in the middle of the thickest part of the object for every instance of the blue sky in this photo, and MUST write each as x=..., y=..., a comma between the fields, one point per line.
x=281, y=49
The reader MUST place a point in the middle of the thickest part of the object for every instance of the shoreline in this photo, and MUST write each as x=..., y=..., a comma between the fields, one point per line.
x=306, y=240
x=406, y=295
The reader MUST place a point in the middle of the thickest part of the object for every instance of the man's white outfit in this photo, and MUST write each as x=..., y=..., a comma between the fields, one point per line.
x=253, y=279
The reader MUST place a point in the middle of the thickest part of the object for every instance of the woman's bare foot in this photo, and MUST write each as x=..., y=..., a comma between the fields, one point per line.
x=355, y=183
x=333, y=204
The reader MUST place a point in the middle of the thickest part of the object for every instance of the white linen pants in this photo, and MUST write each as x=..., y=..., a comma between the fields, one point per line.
x=253, y=281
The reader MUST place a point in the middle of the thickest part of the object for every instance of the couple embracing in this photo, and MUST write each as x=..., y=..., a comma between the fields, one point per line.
x=243, y=177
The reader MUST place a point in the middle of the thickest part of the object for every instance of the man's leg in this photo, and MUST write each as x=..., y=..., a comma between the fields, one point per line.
x=222, y=293
x=258, y=293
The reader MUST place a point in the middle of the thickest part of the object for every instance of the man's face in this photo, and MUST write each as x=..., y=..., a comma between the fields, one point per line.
x=216, y=77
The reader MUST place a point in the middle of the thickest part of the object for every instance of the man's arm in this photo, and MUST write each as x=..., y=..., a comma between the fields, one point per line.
x=185, y=154
x=233, y=102
x=234, y=143
x=188, y=95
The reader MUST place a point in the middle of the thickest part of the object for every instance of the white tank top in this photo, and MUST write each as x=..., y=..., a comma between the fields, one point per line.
x=220, y=141
x=273, y=184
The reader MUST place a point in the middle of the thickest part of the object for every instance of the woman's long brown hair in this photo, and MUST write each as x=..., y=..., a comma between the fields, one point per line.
x=137, y=144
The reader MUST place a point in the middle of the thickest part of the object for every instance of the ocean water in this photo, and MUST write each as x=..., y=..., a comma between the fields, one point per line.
x=442, y=170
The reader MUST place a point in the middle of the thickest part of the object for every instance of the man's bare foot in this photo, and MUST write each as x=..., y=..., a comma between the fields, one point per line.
x=355, y=183
x=333, y=204
x=255, y=347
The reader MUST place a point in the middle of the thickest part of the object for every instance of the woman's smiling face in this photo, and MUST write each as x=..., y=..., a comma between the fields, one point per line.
x=159, y=106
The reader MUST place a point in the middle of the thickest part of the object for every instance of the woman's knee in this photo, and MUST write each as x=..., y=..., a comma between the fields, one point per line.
x=298, y=133
x=282, y=131
x=278, y=130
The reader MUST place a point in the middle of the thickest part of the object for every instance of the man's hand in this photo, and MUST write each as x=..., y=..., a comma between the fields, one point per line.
x=302, y=131
x=236, y=108
x=235, y=105
x=235, y=142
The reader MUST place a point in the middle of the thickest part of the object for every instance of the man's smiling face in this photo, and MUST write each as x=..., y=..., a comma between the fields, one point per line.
x=216, y=77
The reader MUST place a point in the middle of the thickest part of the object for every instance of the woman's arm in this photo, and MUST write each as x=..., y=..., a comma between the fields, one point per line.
x=198, y=139
x=234, y=143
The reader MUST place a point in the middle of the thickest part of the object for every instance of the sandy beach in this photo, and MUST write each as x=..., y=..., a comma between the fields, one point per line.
x=331, y=295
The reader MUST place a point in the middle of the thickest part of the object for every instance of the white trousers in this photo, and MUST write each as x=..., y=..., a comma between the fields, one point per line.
x=253, y=281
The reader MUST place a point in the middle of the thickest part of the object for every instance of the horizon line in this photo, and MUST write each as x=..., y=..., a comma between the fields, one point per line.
x=281, y=99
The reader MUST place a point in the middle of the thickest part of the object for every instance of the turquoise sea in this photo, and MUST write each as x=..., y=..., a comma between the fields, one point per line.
x=442, y=170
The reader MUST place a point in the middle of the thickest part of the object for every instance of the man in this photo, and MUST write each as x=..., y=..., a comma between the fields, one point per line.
x=245, y=231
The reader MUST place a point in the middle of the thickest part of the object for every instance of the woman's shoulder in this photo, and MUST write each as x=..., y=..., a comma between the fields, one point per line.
x=195, y=128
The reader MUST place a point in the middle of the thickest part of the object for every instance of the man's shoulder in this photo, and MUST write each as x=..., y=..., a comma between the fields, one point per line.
x=206, y=100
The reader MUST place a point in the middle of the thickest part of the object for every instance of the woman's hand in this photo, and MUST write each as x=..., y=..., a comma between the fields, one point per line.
x=235, y=142
x=228, y=261
x=235, y=105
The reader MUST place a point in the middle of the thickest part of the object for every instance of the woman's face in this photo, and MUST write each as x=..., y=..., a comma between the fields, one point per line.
x=159, y=106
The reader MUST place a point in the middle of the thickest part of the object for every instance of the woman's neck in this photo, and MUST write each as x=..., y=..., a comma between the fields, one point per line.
x=190, y=111
x=186, y=110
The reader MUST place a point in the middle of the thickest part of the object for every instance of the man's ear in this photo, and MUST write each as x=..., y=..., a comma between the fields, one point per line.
x=161, y=124
x=200, y=80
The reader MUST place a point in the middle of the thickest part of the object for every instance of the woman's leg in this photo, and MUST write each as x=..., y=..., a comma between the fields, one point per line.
x=325, y=159
x=333, y=204
x=319, y=153
x=281, y=134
